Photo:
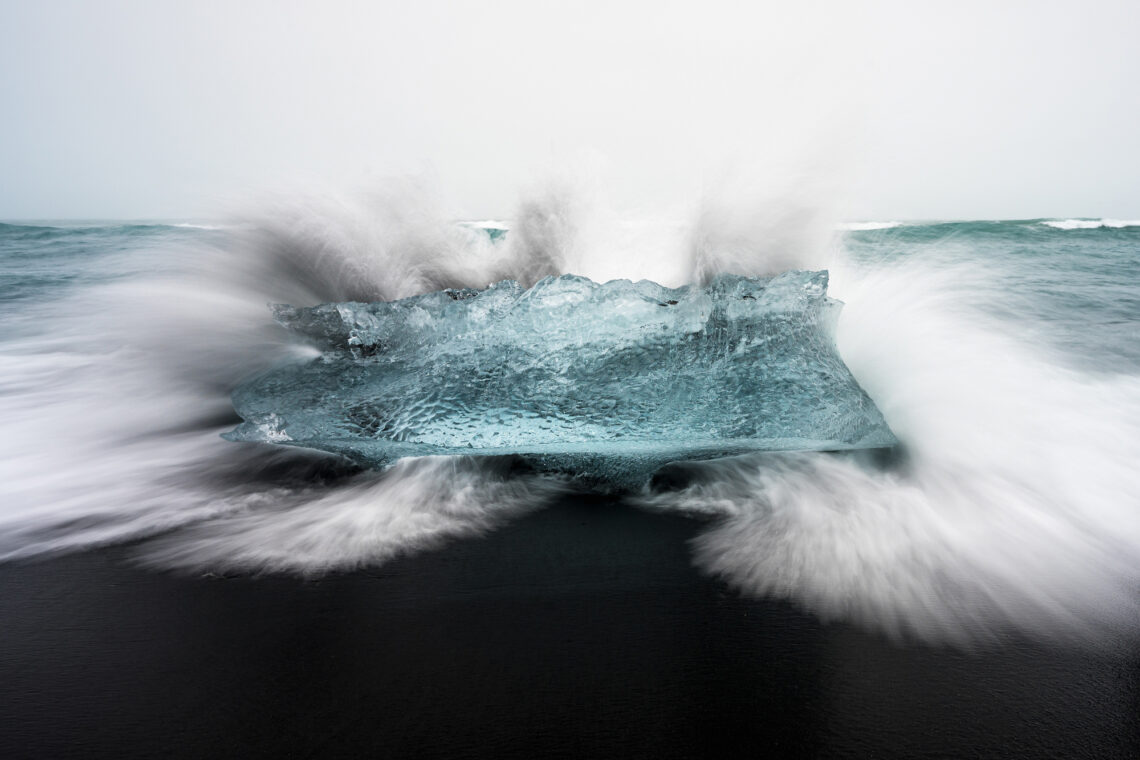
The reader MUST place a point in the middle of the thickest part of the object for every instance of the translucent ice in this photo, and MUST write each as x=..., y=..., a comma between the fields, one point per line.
x=606, y=382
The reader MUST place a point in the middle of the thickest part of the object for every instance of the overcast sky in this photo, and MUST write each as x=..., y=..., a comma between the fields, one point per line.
x=913, y=109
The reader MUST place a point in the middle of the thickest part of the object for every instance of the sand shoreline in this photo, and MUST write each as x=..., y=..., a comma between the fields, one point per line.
x=578, y=631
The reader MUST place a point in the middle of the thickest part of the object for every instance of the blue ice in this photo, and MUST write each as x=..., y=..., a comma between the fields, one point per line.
x=605, y=382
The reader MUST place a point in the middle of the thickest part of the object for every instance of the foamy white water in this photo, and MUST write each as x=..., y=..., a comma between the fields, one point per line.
x=1090, y=224
x=1016, y=503
x=1013, y=503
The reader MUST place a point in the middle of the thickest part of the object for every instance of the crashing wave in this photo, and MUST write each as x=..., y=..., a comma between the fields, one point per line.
x=1090, y=224
x=607, y=382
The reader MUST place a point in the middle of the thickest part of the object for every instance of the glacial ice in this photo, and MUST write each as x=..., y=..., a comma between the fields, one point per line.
x=606, y=382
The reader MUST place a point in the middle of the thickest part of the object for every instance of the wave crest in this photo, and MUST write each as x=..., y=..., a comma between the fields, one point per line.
x=1090, y=224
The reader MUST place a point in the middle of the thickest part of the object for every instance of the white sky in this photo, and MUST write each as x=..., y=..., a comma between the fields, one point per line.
x=915, y=109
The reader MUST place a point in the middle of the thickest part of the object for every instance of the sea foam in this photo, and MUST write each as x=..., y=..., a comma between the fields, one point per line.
x=1090, y=224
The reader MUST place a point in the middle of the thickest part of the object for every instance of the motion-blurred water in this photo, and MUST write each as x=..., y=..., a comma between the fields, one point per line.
x=1005, y=356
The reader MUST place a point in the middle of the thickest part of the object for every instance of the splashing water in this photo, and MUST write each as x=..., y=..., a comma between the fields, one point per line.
x=1014, y=503
x=1002, y=355
x=417, y=504
x=115, y=395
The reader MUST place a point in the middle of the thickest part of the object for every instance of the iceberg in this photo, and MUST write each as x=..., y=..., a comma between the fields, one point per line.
x=606, y=382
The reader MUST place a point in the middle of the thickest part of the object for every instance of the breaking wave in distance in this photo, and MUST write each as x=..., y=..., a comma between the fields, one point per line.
x=1089, y=224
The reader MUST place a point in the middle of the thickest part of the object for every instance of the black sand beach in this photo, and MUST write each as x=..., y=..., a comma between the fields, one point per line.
x=579, y=631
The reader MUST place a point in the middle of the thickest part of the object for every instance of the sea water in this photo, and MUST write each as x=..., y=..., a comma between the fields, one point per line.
x=1003, y=354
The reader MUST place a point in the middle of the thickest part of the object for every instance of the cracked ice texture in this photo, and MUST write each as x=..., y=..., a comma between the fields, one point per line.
x=603, y=381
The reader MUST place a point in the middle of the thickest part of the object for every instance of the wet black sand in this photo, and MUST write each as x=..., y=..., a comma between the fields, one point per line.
x=580, y=631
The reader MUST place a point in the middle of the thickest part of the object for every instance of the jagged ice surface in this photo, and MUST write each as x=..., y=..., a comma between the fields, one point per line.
x=606, y=382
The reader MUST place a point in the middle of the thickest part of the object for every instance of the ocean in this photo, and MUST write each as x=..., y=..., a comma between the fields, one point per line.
x=971, y=593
